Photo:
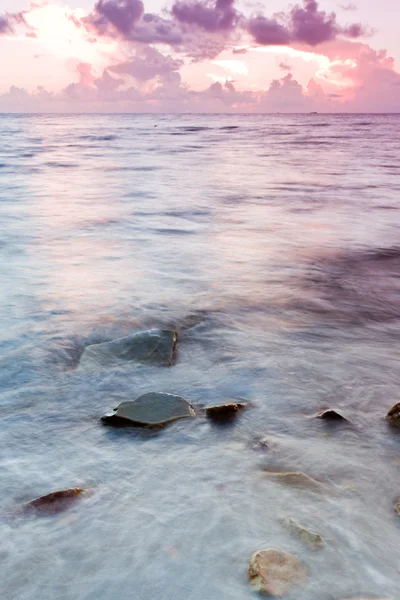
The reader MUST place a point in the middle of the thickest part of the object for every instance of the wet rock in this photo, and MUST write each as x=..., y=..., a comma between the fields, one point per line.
x=393, y=415
x=397, y=507
x=276, y=573
x=365, y=598
x=152, y=410
x=155, y=346
x=331, y=415
x=55, y=502
x=225, y=412
x=296, y=479
x=310, y=538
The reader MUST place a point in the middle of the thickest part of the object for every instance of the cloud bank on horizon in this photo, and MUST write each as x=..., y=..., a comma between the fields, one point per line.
x=127, y=59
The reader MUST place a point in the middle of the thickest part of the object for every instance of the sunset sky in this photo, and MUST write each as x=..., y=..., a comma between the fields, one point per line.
x=200, y=56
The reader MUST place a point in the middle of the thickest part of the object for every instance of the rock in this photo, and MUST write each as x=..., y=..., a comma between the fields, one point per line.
x=331, y=415
x=155, y=346
x=393, y=415
x=276, y=573
x=365, y=598
x=55, y=502
x=153, y=410
x=397, y=507
x=312, y=539
x=225, y=412
x=296, y=479
x=264, y=444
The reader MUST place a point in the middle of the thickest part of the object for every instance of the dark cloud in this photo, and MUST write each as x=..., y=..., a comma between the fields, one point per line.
x=268, y=32
x=303, y=24
x=220, y=16
x=120, y=15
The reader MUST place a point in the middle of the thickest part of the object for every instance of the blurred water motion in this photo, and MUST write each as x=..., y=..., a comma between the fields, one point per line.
x=272, y=244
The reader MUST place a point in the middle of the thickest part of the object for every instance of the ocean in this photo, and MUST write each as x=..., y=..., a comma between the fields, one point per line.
x=271, y=243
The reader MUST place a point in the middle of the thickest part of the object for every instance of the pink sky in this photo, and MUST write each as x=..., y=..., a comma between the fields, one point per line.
x=199, y=56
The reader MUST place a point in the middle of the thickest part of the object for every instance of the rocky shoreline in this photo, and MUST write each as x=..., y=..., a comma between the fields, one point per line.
x=272, y=572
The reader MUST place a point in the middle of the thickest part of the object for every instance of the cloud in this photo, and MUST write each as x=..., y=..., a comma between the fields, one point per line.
x=284, y=66
x=127, y=20
x=303, y=24
x=120, y=15
x=147, y=63
x=6, y=27
x=221, y=16
x=348, y=7
x=9, y=21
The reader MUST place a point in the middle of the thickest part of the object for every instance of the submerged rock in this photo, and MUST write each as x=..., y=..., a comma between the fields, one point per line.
x=225, y=412
x=331, y=415
x=153, y=410
x=365, y=598
x=55, y=502
x=312, y=539
x=393, y=415
x=155, y=346
x=296, y=479
x=276, y=573
x=264, y=444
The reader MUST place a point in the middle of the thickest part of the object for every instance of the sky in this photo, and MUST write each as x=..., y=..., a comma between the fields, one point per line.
x=200, y=56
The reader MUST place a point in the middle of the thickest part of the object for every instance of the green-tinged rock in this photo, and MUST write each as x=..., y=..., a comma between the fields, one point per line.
x=296, y=479
x=393, y=415
x=155, y=346
x=225, y=412
x=310, y=538
x=55, y=502
x=276, y=573
x=153, y=410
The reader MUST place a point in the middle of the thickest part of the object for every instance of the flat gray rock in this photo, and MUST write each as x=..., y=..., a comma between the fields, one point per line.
x=152, y=410
x=155, y=346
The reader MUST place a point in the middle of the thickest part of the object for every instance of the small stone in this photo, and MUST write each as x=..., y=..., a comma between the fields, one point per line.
x=393, y=415
x=310, y=538
x=296, y=479
x=153, y=410
x=397, y=507
x=155, y=346
x=225, y=412
x=331, y=415
x=276, y=573
x=55, y=502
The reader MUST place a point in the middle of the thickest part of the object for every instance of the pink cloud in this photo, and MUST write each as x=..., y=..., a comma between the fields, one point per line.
x=305, y=24
x=8, y=21
x=147, y=64
x=284, y=66
x=6, y=27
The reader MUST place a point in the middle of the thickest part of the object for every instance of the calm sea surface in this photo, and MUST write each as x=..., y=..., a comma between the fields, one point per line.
x=272, y=244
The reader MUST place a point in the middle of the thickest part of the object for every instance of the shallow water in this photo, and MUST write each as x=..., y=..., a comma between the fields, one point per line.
x=272, y=244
